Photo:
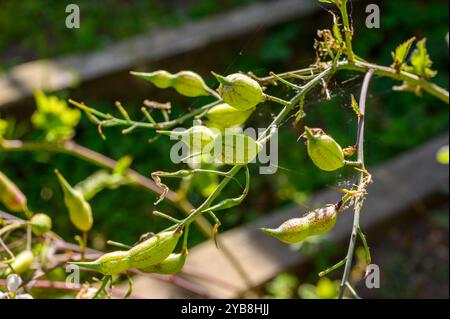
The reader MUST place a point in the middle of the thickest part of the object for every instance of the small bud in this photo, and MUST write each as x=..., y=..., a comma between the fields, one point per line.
x=190, y=84
x=80, y=212
x=22, y=262
x=196, y=137
x=155, y=249
x=240, y=91
x=224, y=116
x=161, y=79
x=235, y=149
x=108, y=264
x=171, y=265
x=11, y=196
x=324, y=151
x=315, y=223
x=40, y=224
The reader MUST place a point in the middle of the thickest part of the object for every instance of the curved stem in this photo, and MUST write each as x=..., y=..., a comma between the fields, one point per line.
x=360, y=198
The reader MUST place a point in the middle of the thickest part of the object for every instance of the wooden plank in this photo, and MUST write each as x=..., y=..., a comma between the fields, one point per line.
x=64, y=72
x=398, y=184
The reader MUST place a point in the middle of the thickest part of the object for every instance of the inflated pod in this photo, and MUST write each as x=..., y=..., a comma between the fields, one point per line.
x=240, y=91
x=196, y=137
x=161, y=79
x=190, y=84
x=11, y=196
x=80, y=212
x=22, y=262
x=155, y=249
x=40, y=224
x=235, y=149
x=224, y=116
x=186, y=83
x=108, y=264
x=324, y=151
x=315, y=223
x=171, y=265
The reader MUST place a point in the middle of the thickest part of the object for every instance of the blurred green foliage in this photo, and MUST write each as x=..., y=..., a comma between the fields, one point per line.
x=103, y=22
x=54, y=117
x=395, y=121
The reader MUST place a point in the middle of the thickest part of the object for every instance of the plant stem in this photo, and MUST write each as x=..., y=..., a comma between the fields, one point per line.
x=362, y=66
x=332, y=268
x=360, y=198
x=411, y=79
x=348, y=30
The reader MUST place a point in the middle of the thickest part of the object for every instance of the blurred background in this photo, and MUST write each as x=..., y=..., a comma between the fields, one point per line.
x=413, y=250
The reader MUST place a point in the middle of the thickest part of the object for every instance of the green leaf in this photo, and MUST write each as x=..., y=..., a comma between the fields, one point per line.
x=401, y=53
x=421, y=62
x=355, y=106
x=336, y=30
x=54, y=117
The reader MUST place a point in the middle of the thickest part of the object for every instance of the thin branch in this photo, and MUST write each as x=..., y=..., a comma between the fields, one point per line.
x=360, y=198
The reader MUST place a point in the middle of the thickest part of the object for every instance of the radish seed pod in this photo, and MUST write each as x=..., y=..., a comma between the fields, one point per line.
x=169, y=266
x=155, y=249
x=196, y=137
x=190, y=84
x=80, y=212
x=324, y=151
x=186, y=83
x=11, y=196
x=22, y=262
x=108, y=264
x=224, y=116
x=40, y=224
x=315, y=223
x=235, y=149
x=240, y=91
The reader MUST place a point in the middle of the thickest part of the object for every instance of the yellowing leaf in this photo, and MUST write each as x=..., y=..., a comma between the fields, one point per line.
x=421, y=62
x=355, y=106
x=401, y=53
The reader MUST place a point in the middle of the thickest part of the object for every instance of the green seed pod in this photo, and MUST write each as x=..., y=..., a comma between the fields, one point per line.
x=22, y=262
x=155, y=249
x=171, y=265
x=80, y=212
x=161, y=79
x=224, y=116
x=240, y=91
x=235, y=149
x=196, y=137
x=40, y=224
x=190, y=84
x=315, y=223
x=108, y=264
x=186, y=83
x=324, y=151
x=11, y=196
